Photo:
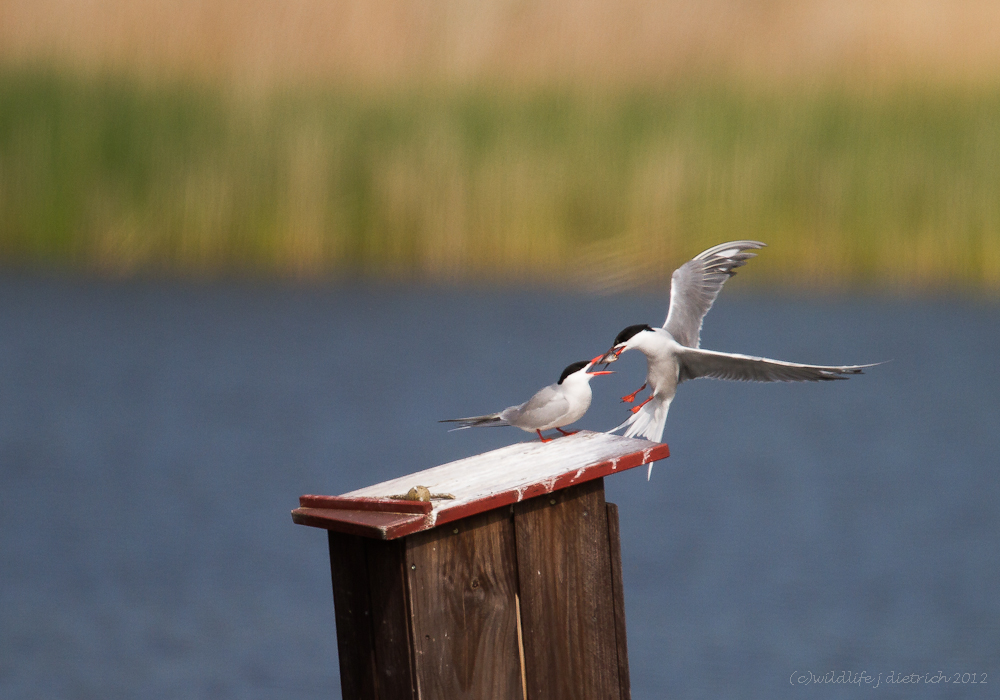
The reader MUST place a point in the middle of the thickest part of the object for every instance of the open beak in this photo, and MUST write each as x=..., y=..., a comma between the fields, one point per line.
x=610, y=356
x=596, y=361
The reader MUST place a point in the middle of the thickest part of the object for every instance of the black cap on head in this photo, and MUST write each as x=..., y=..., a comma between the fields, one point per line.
x=629, y=332
x=575, y=367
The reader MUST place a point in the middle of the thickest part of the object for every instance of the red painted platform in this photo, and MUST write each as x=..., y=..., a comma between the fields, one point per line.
x=480, y=483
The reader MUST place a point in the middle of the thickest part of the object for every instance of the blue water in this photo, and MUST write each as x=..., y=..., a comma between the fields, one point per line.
x=154, y=436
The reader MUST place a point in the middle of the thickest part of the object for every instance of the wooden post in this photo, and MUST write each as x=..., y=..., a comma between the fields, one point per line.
x=512, y=589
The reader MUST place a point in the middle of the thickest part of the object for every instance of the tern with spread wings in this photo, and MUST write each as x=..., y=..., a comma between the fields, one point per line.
x=672, y=352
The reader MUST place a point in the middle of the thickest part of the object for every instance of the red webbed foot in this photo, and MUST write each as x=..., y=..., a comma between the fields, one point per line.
x=631, y=397
x=636, y=408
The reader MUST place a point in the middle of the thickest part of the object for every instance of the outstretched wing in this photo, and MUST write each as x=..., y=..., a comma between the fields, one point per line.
x=696, y=363
x=695, y=285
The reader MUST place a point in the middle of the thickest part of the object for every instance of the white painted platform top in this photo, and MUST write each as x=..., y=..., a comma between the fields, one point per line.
x=527, y=469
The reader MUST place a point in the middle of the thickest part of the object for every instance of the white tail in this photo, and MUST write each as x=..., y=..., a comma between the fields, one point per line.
x=648, y=423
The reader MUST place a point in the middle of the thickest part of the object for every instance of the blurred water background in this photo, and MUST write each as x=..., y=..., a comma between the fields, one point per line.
x=155, y=436
x=254, y=249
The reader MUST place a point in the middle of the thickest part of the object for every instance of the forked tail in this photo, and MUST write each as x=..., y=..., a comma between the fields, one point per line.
x=648, y=423
x=493, y=420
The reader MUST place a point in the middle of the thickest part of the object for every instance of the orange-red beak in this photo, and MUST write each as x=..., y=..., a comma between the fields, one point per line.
x=610, y=356
x=594, y=362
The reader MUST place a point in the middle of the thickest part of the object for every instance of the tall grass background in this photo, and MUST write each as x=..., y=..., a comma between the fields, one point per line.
x=470, y=163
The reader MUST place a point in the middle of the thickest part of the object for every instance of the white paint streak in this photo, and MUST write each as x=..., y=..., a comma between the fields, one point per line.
x=512, y=469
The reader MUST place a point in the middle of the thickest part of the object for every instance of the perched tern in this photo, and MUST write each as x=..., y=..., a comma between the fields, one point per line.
x=672, y=352
x=554, y=406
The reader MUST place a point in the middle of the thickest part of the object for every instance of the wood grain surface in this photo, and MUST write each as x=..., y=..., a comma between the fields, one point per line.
x=463, y=584
x=617, y=584
x=436, y=615
x=352, y=609
x=567, y=608
x=391, y=620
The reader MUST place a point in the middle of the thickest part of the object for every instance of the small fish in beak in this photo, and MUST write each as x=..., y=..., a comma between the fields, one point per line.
x=611, y=355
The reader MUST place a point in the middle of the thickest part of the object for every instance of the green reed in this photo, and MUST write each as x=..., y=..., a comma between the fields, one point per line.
x=898, y=189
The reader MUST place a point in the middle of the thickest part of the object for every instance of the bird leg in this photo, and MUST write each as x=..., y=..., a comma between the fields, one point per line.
x=636, y=408
x=631, y=397
x=542, y=438
x=572, y=432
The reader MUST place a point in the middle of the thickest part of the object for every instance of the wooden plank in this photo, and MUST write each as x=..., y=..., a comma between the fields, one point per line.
x=382, y=526
x=382, y=505
x=391, y=620
x=617, y=585
x=352, y=606
x=499, y=478
x=463, y=589
x=567, y=613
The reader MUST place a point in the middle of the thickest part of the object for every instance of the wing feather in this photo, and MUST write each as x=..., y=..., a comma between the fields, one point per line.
x=546, y=406
x=695, y=285
x=696, y=363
